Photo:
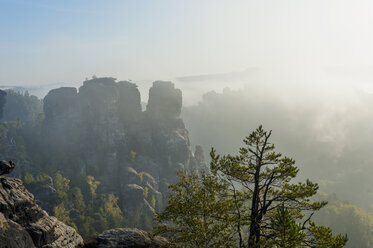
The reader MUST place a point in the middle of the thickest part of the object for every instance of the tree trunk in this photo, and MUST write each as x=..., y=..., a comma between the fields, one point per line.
x=254, y=217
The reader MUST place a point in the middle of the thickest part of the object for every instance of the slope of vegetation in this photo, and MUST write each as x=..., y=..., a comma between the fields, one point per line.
x=344, y=217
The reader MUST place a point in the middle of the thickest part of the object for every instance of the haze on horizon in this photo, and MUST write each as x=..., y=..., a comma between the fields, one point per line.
x=301, y=68
x=301, y=42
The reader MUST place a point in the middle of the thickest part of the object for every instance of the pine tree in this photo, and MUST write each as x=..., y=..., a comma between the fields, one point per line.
x=285, y=231
x=254, y=194
x=266, y=178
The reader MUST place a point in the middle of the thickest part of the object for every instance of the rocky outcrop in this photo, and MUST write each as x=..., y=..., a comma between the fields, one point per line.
x=2, y=102
x=6, y=167
x=129, y=102
x=13, y=235
x=129, y=238
x=165, y=101
x=59, y=101
x=24, y=224
x=101, y=130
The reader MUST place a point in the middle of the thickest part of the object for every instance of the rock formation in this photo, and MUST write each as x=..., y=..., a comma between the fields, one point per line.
x=165, y=101
x=6, y=167
x=59, y=101
x=103, y=132
x=129, y=238
x=2, y=102
x=24, y=224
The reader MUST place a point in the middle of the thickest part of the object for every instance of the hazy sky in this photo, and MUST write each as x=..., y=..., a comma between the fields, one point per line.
x=49, y=41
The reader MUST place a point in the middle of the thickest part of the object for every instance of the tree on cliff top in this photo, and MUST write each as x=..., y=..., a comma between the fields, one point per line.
x=255, y=194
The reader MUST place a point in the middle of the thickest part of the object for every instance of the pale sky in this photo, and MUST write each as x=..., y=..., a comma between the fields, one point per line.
x=51, y=41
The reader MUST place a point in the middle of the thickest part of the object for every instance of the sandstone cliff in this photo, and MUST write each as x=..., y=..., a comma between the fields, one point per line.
x=101, y=130
x=2, y=102
x=24, y=224
x=94, y=153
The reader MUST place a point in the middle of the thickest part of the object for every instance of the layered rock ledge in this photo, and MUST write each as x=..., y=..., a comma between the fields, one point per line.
x=24, y=224
x=129, y=238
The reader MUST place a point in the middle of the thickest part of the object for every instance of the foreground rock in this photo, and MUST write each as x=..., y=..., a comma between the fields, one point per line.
x=129, y=238
x=24, y=224
x=6, y=167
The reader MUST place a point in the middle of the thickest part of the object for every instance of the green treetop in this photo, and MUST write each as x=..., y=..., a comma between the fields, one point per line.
x=254, y=194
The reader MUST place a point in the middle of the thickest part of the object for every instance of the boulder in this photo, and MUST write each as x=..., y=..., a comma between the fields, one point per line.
x=27, y=221
x=129, y=238
x=6, y=167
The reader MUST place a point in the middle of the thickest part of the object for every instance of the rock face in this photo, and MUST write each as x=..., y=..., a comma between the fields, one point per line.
x=59, y=101
x=102, y=131
x=165, y=101
x=129, y=238
x=45, y=192
x=24, y=224
x=2, y=102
